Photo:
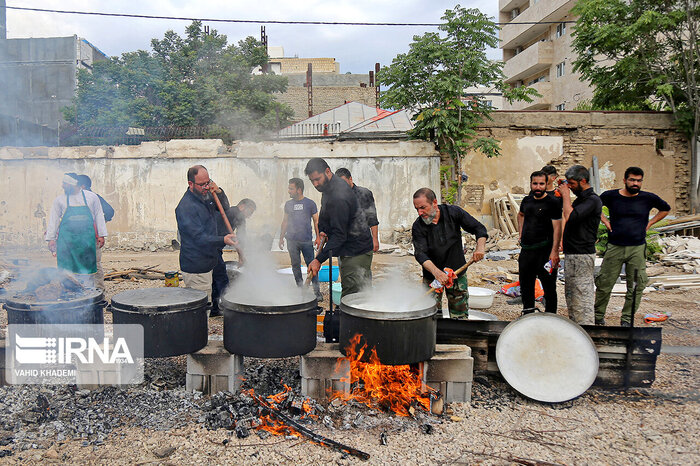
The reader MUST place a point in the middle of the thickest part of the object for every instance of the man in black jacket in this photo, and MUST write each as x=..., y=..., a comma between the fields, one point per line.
x=196, y=224
x=366, y=199
x=437, y=242
x=342, y=222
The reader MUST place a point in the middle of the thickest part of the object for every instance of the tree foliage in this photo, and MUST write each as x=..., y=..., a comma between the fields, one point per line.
x=431, y=79
x=196, y=80
x=644, y=54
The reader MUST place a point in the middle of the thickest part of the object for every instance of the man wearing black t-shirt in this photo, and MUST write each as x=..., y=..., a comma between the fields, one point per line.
x=539, y=224
x=581, y=219
x=437, y=242
x=628, y=209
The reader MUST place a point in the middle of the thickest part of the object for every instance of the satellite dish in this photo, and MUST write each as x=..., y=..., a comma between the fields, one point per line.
x=547, y=357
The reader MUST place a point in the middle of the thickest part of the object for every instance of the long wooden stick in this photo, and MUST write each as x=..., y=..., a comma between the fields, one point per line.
x=457, y=272
x=223, y=214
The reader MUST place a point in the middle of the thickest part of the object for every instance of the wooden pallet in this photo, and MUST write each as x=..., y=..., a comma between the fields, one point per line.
x=611, y=343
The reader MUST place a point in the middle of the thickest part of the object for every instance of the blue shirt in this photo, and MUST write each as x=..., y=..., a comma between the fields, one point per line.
x=299, y=219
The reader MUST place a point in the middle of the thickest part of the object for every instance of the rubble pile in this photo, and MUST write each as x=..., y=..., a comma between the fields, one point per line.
x=681, y=252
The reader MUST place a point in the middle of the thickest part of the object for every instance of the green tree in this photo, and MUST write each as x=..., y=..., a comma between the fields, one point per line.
x=431, y=78
x=196, y=80
x=644, y=54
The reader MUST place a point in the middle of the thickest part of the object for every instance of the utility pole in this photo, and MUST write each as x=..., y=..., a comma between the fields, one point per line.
x=309, y=89
x=263, y=39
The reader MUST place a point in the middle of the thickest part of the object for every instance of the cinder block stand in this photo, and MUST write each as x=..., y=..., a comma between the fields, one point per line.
x=213, y=369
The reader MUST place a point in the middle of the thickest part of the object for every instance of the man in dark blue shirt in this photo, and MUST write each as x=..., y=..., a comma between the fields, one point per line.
x=628, y=209
x=196, y=224
x=299, y=213
x=366, y=199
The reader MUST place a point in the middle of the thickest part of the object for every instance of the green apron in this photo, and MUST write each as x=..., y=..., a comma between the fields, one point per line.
x=76, y=248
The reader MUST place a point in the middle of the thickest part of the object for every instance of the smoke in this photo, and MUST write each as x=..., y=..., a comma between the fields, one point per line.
x=396, y=293
x=259, y=284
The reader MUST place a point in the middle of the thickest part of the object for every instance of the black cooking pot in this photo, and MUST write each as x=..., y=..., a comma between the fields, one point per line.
x=84, y=308
x=174, y=319
x=269, y=331
x=401, y=337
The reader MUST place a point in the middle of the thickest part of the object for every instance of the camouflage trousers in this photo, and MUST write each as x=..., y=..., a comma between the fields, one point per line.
x=457, y=297
x=579, y=287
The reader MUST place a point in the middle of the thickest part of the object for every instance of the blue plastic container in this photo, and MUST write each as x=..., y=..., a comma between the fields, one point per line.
x=323, y=273
x=337, y=290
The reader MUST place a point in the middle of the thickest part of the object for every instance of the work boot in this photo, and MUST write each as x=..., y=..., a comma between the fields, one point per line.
x=625, y=324
x=215, y=313
x=528, y=311
x=600, y=321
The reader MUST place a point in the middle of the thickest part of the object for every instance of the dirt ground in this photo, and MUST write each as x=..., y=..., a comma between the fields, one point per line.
x=658, y=425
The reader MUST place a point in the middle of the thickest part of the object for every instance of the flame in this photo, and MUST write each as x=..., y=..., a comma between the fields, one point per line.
x=270, y=424
x=377, y=385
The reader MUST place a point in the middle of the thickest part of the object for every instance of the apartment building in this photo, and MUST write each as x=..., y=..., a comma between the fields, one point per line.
x=540, y=55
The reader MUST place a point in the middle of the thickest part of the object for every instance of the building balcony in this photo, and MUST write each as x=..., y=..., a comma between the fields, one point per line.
x=534, y=59
x=545, y=10
x=507, y=5
x=544, y=88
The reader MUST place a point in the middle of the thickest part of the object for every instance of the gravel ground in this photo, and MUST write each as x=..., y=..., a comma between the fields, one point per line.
x=656, y=425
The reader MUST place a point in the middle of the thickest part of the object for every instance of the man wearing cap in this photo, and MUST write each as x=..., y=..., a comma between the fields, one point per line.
x=76, y=229
x=85, y=184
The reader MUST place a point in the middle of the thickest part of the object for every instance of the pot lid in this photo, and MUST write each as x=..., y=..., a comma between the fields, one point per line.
x=362, y=305
x=159, y=299
x=28, y=301
x=232, y=303
x=547, y=357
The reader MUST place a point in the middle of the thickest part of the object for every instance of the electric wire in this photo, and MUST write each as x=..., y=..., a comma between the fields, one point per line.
x=253, y=21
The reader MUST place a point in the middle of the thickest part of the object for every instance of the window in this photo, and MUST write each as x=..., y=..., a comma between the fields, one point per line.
x=561, y=29
x=488, y=103
x=537, y=80
x=561, y=107
x=560, y=70
x=514, y=13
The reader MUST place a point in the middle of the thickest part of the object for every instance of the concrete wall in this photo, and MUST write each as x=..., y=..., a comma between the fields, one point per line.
x=530, y=140
x=144, y=183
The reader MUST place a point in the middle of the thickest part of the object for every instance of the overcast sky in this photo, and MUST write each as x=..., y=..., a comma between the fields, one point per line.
x=357, y=48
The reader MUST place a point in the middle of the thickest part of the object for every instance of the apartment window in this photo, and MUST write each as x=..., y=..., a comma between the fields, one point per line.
x=537, y=80
x=561, y=69
x=488, y=103
x=561, y=29
x=561, y=107
x=514, y=13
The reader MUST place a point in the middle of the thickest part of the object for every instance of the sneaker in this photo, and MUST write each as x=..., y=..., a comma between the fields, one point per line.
x=528, y=311
x=215, y=313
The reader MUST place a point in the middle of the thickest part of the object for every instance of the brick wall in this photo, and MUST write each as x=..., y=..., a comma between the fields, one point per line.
x=300, y=65
x=325, y=98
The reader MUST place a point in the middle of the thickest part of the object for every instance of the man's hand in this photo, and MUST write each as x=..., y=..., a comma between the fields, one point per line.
x=230, y=239
x=213, y=187
x=478, y=255
x=480, y=249
x=100, y=241
x=564, y=190
x=441, y=276
x=554, y=257
x=52, y=247
x=313, y=268
x=281, y=243
x=375, y=244
x=321, y=237
x=606, y=222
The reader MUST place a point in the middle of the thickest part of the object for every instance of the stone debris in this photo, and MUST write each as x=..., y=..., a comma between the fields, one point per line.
x=681, y=252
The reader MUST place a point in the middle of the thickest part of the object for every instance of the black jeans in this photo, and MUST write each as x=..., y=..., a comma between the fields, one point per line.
x=219, y=282
x=305, y=248
x=531, y=267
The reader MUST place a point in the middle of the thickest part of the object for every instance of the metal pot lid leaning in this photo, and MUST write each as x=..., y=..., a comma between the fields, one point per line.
x=360, y=305
x=547, y=357
x=166, y=299
x=28, y=301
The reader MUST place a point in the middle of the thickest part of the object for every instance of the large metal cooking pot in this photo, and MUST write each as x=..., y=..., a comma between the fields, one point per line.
x=399, y=337
x=269, y=331
x=84, y=308
x=174, y=319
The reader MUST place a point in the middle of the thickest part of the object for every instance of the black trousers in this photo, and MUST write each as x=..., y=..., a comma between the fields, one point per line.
x=531, y=267
x=219, y=282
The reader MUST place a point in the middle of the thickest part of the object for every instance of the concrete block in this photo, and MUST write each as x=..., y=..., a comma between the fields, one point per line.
x=213, y=369
x=450, y=363
x=321, y=372
x=453, y=392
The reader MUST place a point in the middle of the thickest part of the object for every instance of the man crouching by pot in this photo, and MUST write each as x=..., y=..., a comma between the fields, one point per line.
x=196, y=223
x=437, y=241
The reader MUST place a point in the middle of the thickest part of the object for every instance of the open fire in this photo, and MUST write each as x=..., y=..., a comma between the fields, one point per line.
x=389, y=388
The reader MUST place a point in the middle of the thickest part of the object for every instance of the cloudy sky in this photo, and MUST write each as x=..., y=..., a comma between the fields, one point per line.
x=357, y=48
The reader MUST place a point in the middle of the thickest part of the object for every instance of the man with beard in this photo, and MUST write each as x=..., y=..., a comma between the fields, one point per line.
x=581, y=220
x=76, y=229
x=539, y=224
x=628, y=209
x=551, y=172
x=197, y=226
x=299, y=213
x=342, y=223
x=437, y=241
